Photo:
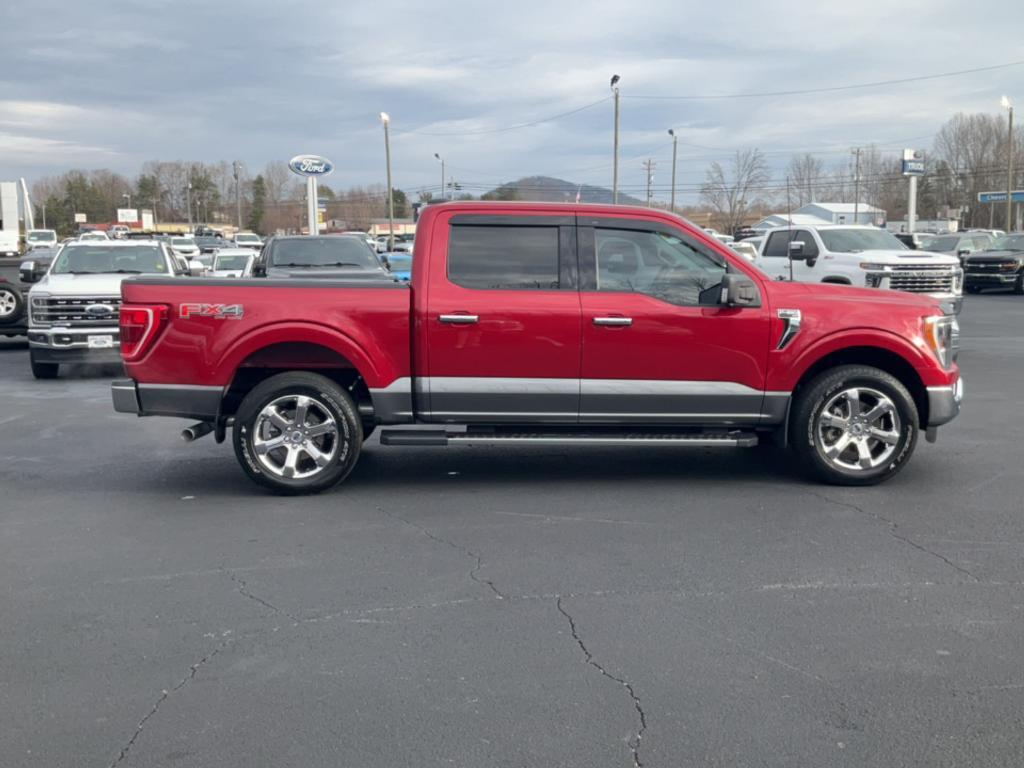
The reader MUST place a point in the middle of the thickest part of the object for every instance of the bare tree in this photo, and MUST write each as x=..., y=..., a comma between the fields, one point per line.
x=806, y=175
x=281, y=183
x=730, y=194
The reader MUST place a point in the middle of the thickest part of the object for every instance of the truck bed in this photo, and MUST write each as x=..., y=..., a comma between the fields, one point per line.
x=216, y=326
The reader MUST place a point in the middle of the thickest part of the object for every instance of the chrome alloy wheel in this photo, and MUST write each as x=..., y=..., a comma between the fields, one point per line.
x=295, y=437
x=858, y=429
x=8, y=303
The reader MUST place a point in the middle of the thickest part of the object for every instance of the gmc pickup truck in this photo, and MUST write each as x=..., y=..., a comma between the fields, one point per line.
x=542, y=324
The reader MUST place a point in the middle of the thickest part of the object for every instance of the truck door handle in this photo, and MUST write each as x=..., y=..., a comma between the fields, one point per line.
x=618, y=321
x=459, y=319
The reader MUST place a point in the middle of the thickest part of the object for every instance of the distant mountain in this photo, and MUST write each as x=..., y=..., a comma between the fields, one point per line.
x=546, y=189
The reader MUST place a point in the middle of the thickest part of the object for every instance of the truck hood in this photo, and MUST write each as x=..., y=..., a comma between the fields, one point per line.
x=990, y=257
x=80, y=285
x=909, y=258
x=785, y=293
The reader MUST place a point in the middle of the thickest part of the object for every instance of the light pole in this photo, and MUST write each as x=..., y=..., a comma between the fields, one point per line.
x=675, y=142
x=441, y=161
x=386, y=119
x=1009, y=164
x=615, y=148
x=236, y=167
x=856, y=185
x=188, y=204
x=127, y=196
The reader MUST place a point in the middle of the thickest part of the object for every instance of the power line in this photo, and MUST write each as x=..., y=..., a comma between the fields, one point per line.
x=827, y=89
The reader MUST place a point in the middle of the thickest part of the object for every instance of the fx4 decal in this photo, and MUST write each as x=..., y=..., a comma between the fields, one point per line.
x=216, y=311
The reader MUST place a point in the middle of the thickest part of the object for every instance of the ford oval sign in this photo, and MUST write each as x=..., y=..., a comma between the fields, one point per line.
x=310, y=165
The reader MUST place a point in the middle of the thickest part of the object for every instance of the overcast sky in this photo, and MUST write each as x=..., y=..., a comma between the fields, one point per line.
x=105, y=84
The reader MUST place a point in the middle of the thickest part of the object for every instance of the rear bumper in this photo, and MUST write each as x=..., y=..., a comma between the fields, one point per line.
x=183, y=400
x=43, y=354
x=944, y=403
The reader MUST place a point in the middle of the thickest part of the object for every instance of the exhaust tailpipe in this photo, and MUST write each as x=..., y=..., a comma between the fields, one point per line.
x=196, y=431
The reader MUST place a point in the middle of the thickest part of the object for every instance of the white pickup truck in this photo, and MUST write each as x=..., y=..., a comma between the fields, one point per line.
x=860, y=256
x=74, y=306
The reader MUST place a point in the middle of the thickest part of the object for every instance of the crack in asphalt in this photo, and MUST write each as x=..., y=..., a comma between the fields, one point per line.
x=893, y=527
x=474, y=571
x=164, y=695
x=634, y=744
x=243, y=589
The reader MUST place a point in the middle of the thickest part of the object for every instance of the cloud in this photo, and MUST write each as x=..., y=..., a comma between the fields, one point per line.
x=121, y=81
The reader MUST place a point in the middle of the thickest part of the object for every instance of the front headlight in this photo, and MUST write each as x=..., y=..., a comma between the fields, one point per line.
x=36, y=301
x=942, y=336
x=871, y=266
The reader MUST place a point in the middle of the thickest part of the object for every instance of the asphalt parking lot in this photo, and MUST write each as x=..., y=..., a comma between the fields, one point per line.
x=487, y=607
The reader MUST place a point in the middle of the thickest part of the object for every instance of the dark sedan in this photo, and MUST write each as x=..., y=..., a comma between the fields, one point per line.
x=1000, y=265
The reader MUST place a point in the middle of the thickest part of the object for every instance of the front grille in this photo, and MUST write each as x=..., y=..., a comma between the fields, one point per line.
x=72, y=312
x=922, y=279
x=991, y=266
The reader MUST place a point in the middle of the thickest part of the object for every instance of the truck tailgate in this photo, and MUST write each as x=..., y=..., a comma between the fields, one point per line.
x=215, y=326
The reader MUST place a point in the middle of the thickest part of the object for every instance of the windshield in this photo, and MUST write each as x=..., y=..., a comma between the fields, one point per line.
x=323, y=252
x=247, y=238
x=856, y=240
x=948, y=243
x=1007, y=243
x=231, y=261
x=106, y=259
x=41, y=236
x=179, y=241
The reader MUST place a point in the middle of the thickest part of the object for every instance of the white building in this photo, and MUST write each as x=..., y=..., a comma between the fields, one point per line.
x=816, y=214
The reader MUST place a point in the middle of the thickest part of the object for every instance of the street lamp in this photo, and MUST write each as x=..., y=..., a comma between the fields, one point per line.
x=441, y=161
x=1005, y=101
x=675, y=142
x=386, y=120
x=615, y=151
x=127, y=196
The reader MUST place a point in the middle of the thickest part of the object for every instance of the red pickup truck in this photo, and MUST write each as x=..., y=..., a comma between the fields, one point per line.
x=542, y=324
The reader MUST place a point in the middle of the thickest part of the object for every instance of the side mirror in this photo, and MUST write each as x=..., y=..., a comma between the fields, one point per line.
x=964, y=252
x=796, y=250
x=196, y=268
x=739, y=291
x=386, y=261
x=29, y=272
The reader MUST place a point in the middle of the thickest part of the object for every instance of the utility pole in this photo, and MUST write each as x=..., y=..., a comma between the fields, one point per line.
x=615, y=149
x=188, y=204
x=856, y=185
x=649, y=166
x=236, y=166
x=1009, y=166
x=675, y=143
x=44, y=214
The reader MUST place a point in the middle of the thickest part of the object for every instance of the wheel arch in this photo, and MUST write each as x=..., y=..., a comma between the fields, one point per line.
x=877, y=357
x=837, y=280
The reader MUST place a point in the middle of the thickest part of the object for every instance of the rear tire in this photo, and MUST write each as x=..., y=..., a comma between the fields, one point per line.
x=297, y=433
x=44, y=370
x=854, y=425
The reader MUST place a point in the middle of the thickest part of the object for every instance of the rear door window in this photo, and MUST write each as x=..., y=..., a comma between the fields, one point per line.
x=490, y=257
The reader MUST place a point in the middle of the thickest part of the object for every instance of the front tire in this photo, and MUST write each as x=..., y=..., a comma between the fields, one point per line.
x=1018, y=287
x=43, y=370
x=854, y=425
x=297, y=433
x=12, y=306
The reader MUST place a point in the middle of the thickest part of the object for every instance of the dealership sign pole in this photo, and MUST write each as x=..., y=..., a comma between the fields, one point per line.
x=312, y=167
x=913, y=166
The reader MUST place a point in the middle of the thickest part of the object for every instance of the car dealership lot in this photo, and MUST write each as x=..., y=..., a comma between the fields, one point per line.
x=482, y=606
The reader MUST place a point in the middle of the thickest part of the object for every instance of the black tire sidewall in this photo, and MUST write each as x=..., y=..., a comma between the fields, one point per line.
x=19, y=305
x=322, y=389
x=820, y=391
x=43, y=370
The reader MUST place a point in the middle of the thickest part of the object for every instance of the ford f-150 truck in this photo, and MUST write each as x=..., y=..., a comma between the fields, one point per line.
x=542, y=324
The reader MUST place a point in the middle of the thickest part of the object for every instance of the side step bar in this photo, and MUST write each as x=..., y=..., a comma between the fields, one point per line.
x=441, y=438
